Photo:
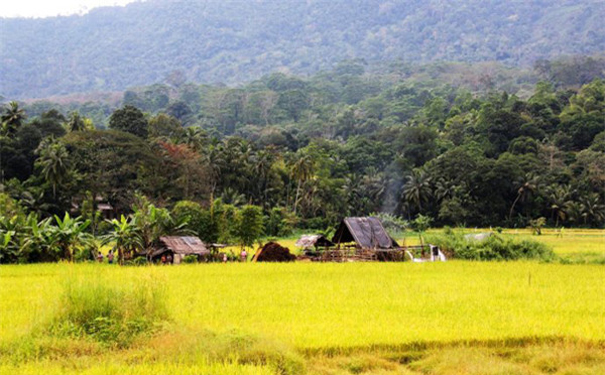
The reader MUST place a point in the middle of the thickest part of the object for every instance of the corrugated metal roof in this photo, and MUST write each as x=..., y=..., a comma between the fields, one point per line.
x=184, y=245
x=367, y=232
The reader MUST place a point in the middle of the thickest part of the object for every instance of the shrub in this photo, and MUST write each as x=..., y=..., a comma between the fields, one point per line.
x=495, y=247
x=190, y=259
x=111, y=314
x=279, y=222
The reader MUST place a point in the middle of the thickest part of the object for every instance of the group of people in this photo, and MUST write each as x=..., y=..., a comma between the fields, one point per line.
x=110, y=257
x=167, y=258
x=243, y=256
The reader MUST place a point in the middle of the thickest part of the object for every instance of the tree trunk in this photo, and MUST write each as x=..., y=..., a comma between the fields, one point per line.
x=510, y=214
x=297, y=193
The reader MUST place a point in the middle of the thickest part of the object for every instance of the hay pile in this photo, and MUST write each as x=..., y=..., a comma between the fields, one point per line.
x=274, y=252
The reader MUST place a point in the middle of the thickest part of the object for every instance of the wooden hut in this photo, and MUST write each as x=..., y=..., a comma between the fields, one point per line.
x=178, y=247
x=366, y=239
x=365, y=233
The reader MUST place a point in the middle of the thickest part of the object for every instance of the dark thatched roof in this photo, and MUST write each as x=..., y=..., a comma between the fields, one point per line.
x=366, y=232
x=185, y=245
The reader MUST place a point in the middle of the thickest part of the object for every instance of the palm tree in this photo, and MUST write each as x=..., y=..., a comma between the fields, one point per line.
x=558, y=196
x=417, y=188
x=301, y=170
x=573, y=210
x=233, y=197
x=526, y=187
x=592, y=209
x=12, y=118
x=194, y=137
x=53, y=161
x=262, y=168
x=75, y=123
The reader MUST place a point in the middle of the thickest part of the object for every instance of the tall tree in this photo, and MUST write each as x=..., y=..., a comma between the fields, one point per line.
x=417, y=188
x=12, y=118
x=131, y=120
x=53, y=162
x=76, y=123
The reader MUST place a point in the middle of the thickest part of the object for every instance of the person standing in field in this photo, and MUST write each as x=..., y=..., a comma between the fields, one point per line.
x=100, y=257
x=224, y=257
x=244, y=255
x=110, y=257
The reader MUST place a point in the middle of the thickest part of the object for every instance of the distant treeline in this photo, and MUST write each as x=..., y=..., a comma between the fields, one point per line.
x=310, y=151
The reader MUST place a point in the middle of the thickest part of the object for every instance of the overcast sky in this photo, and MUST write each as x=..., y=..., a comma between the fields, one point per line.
x=49, y=8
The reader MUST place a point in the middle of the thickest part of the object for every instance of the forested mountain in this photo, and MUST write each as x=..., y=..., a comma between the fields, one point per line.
x=234, y=41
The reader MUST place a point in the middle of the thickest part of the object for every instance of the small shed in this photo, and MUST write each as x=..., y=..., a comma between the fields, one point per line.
x=179, y=247
x=309, y=241
x=366, y=232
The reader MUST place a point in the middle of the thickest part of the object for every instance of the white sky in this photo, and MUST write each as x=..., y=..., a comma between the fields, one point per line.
x=49, y=8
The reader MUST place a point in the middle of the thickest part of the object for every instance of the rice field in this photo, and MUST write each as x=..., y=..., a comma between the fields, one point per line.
x=376, y=318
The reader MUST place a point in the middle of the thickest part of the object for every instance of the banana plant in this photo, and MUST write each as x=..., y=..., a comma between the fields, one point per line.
x=10, y=228
x=41, y=243
x=7, y=248
x=126, y=235
x=70, y=234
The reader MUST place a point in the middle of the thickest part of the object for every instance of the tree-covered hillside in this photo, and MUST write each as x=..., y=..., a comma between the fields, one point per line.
x=233, y=41
x=309, y=151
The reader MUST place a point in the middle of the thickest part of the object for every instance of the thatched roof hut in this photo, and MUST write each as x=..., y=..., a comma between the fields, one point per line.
x=179, y=247
x=365, y=232
x=309, y=241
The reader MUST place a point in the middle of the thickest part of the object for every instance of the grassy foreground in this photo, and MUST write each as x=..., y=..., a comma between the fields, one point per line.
x=437, y=318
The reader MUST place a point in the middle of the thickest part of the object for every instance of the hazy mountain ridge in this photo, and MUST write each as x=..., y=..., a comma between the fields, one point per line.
x=234, y=41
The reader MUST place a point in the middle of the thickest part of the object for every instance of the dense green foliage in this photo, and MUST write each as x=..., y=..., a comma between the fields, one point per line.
x=235, y=41
x=308, y=154
x=494, y=247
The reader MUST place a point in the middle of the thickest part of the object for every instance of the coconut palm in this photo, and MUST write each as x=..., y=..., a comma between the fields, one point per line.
x=301, y=170
x=558, y=196
x=75, y=123
x=194, y=137
x=526, y=187
x=592, y=209
x=573, y=211
x=12, y=118
x=417, y=188
x=53, y=162
x=233, y=197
